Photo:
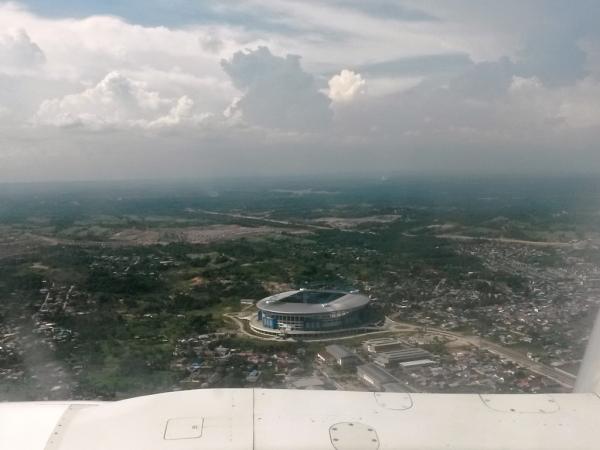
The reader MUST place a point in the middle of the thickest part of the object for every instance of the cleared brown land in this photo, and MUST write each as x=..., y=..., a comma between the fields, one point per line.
x=350, y=222
x=192, y=235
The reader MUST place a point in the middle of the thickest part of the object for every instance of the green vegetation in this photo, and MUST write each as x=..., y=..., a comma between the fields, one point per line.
x=119, y=308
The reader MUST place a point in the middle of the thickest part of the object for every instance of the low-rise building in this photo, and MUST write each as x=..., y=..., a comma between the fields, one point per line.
x=382, y=345
x=374, y=376
x=342, y=356
x=416, y=363
x=394, y=357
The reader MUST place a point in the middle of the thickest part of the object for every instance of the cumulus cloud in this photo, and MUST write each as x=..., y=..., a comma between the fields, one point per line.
x=80, y=50
x=521, y=84
x=346, y=85
x=211, y=43
x=446, y=84
x=580, y=107
x=18, y=51
x=574, y=106
x=276, y=91
x=182, y=113
x=486, y=80
x=115, y=102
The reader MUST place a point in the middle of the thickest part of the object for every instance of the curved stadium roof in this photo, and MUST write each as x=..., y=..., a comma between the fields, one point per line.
x=312, y=302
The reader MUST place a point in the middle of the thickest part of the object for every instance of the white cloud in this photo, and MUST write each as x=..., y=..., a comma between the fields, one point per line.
x=345, y=86
x=524, y=84
x=115, y=102
x=87, y=48
x=384, y=86
x=18, y=52
x=277, y=92
x=73, y=54
x=180, y=114
x=580, y=107
x=267, y=109
x=570, y=107
x=211, y=43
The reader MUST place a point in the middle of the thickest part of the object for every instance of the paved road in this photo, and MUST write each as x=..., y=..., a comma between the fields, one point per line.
x=242, y=328
x=242, y=324
x=565, y=379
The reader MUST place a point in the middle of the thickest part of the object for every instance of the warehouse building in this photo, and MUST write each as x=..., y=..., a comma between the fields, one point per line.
x=394, y=357
x=416, y=364
x=374, y=376
x=382, y=345
x=341, y=355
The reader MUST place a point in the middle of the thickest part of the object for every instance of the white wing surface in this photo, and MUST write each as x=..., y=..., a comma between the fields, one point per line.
x=263, y=419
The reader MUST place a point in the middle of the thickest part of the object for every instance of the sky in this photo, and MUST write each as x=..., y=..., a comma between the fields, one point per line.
x=95, y=90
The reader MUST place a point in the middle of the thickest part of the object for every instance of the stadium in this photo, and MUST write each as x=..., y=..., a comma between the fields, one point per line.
x=308, y=312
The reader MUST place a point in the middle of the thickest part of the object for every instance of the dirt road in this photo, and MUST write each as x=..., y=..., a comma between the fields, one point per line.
x=460, y=237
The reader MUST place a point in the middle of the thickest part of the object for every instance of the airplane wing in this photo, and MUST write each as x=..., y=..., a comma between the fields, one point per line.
x=263, y=419
x=277, y=419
